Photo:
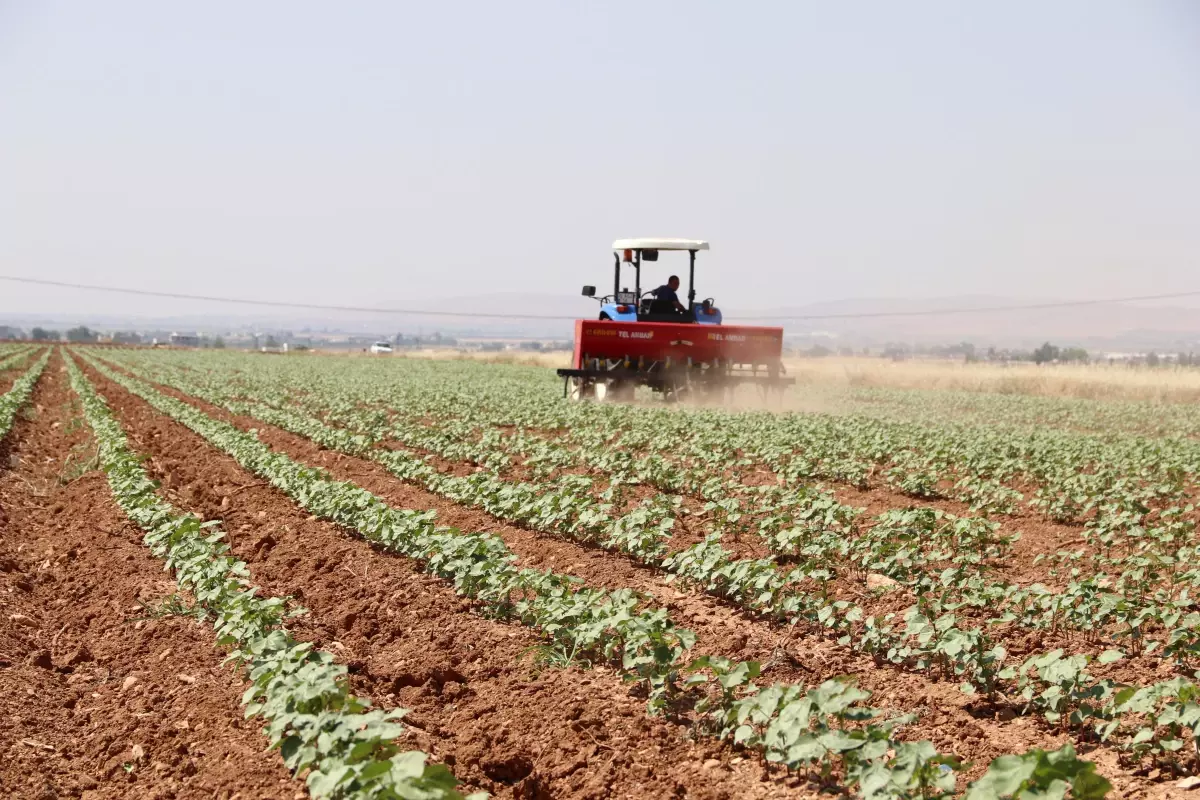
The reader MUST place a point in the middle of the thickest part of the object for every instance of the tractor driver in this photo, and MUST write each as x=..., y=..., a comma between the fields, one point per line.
x=667, y=292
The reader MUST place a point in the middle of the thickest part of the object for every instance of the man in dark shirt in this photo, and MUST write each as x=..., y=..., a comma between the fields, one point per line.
x=667, y=292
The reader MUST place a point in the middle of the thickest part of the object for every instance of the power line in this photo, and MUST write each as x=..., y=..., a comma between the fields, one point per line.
x=490, y=315
x=279, y=303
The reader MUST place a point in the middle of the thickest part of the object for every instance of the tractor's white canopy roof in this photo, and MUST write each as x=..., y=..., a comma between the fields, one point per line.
x=660, y=244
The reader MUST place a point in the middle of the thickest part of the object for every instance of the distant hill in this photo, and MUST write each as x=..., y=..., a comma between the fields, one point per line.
x=1110, y=326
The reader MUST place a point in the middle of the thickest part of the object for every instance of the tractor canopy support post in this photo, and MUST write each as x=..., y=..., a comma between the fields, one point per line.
x=691, y=280
x=616, y=273
x=637, y=280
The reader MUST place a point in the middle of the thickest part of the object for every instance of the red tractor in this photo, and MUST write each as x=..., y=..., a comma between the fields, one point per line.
x=679, y=349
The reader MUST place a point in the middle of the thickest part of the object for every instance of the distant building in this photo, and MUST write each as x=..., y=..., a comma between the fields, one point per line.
x=184, y=340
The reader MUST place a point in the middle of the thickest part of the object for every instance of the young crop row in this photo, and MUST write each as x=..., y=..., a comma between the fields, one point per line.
x=787, y=514
x=992, y=409
x=868, y=442
x=1148, y=585
x=1138, y=577
x=1021, y=411
x=1076, y=477
x=1053, y=684
x=1056, y=685
x=942, y=558
x=343, y=744
x=937, y=556
x=12, y=400
x=13, y=357
x=826, y=731
x=976, y=466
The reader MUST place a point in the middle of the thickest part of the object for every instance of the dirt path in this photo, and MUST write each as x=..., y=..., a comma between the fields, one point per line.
x=954, y=722
x=478, y=702
x=99, y=697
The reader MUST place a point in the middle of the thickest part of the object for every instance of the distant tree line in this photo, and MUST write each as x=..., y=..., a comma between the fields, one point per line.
x=80, y=334
x=1050, y=354
x=1046, y=354
x=1153, y=359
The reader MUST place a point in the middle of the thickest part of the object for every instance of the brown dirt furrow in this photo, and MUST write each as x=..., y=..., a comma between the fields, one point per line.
x=478, y=702
x=1038, y=535
x=969, y=727
x=98, y=698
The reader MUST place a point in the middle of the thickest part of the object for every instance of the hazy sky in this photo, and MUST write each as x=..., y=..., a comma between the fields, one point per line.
x=382, y=153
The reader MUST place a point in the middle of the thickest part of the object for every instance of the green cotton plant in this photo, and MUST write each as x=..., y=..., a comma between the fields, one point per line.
x=725, y=513
x=1040, y=775
x=796, y=518
x=1183, y=639
x=641, y=533
x=1060, y=687
x=987, y=496
x=1165, y=718
x=826, y=728
x=917, y=771
x=344, y=746
x=967, y=654
x=754, y=583
x=320, y=728
x=915, y=480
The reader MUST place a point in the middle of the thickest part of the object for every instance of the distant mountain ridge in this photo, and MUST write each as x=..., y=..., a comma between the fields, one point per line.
x=1108, y=324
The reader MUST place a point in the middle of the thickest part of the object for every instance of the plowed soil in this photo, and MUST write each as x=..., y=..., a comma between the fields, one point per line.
x=102, y=695
x=362, y=599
